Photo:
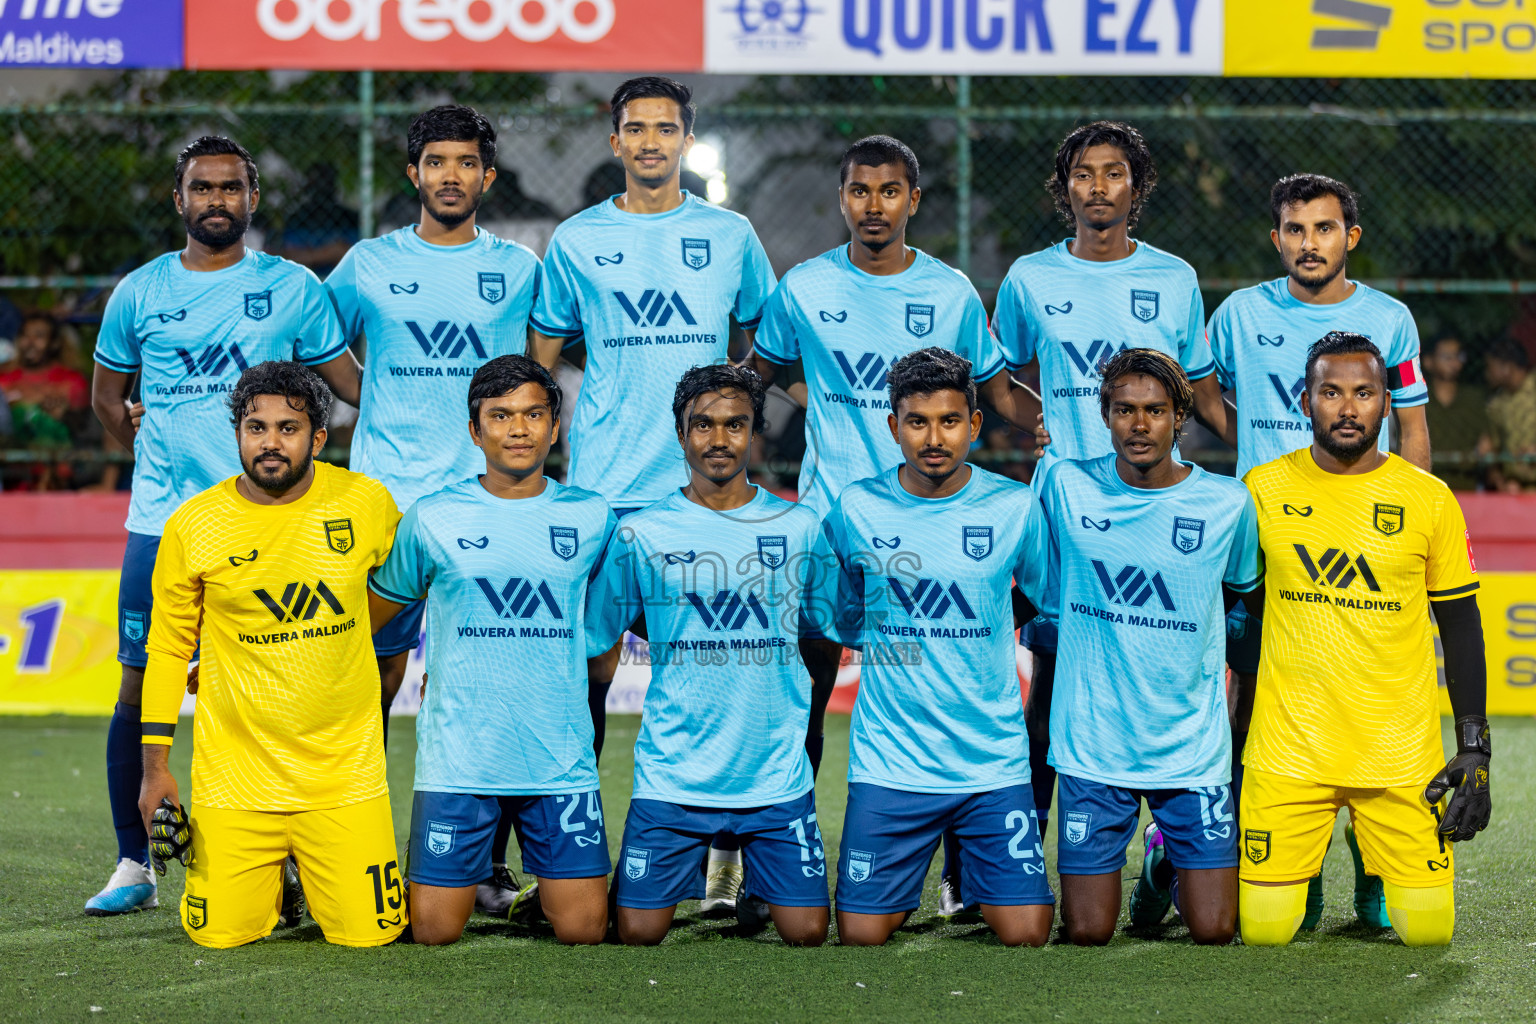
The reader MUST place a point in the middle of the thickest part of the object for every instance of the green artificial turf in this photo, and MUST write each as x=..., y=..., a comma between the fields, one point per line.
x=56, y=849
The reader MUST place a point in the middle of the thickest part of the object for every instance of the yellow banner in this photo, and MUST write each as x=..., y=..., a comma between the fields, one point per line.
x=1381, y=38
x=58, y=643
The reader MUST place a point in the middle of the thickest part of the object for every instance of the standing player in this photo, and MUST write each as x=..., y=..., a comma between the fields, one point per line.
x=187, y=324
x=1259, y=338
x=929, y=552
x=435, y=300
x=1359, y=546
x=268, y=571
x=507, y=557
x=650, y=281
x=727, y=577
x=1069, y=309
x=1142, y=548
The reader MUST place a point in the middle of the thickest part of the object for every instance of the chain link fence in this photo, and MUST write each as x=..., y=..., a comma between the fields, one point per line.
x=1449, y=213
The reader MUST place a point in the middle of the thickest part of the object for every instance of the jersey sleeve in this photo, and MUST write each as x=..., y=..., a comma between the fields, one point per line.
x=117, y=344
x=1194, y=348
x=614, y=599
x=777, y=340
x=1048, y=576
x=1405, y=376
x=1219, y=337
x=341, y=288
x=1245, y=561
x=818, y=589
x=849, y=598
x=557, y=310
x=1011, y=324
x=407, y=572
x=757, y=282
x=320, y=338
x=173, y=635
x=1032, y=572
x=977, y=342
x=1449, y=571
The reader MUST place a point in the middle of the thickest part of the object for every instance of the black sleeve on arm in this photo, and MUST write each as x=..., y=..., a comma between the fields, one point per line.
x=1023, y=609
x=1466, y=663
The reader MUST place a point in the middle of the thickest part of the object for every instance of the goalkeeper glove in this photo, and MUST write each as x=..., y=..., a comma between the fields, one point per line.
x=1465, y=777
x=170, y=836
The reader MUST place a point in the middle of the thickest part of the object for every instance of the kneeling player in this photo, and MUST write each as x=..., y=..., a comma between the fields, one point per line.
x=728, y=577
x=504, y=725
x=269, y=571
x=1141, y=547
x=1359, y=545
x=929, y=551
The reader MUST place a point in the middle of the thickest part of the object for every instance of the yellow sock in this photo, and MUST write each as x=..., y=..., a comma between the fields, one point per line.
x=1421, y=917
x=1270, y=914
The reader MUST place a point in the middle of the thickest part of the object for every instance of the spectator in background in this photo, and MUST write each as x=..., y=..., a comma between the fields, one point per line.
x=1511, y=417
x=1457, y=412
x=49, y=401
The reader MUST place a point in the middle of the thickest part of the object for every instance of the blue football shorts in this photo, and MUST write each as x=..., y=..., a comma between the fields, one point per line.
x=1244, y=633
x=403, y=632
x=1095, y=822
x=560, y=836
x=1039, y=635
x=135, y=599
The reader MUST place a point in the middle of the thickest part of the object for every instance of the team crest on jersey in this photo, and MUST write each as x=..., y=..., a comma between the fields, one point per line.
x=493, y=286
x=1188, y=534
x=563, y=541
x=976, y=541
x=637, y=863
x=919, y=320
x=133, y=626
x=338, y=535
x=197, y=912
x=1256, y=845
x=772, y=550
x=1144, y=305
x=258, y=305
x=1077, y=827
x=860, y=865
x=695, y=253
x=439, y=837
x=1389, y=518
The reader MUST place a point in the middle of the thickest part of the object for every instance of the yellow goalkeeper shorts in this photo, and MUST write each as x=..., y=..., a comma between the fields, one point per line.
x=347, y=861
x=1286, y=825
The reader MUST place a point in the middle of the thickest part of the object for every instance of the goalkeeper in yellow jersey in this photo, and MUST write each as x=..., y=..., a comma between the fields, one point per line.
x=1359, y=546
x=268, y=571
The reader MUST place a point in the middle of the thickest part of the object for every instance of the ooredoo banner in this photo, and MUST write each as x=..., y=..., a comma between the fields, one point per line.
x=986, y=37
x=445, y=35
x=90, y=33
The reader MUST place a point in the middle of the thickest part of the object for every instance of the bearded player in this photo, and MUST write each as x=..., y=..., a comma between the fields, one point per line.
x=268, y=572
x=1361, y=547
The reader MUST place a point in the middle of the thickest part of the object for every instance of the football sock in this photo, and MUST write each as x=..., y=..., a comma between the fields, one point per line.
x=813, y=748
x=125, y=771
x=384, y=703
x=1270, y=914
x=597, y=704
x=1422, y=917
x=503, y=835
x=1042, y=780
x=951, y=854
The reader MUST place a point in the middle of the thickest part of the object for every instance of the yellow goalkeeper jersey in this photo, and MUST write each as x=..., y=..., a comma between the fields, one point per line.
x=1347, y=690
x=288, y=693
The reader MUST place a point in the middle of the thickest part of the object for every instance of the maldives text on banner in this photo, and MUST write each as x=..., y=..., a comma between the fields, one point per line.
x=1382, y=38
x=430, y=35
x=90, y=33
x=984, y=37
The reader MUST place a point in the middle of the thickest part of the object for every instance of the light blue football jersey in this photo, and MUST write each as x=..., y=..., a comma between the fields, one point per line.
x=1136, y=577
x=726, y=597
x=1259, y=338
x=190, y=334
x=1074, y=315
x=928, y=582
x=848, y=327
x=433, y=315
x=506, y=709
x=652, y=295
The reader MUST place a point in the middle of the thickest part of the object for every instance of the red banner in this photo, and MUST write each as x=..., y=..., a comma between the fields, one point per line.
x=446, y=35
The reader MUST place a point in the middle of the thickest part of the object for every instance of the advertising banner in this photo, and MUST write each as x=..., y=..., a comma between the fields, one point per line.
x=446, y=35
x=982, y=37
x=90, y=33
x=1382, y=38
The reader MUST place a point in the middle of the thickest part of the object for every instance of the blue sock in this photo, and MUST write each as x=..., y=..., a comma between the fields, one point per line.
x=813, y=748
x=125, y=772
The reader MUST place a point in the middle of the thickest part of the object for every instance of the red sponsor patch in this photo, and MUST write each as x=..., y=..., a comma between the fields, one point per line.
x=1470, y=560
